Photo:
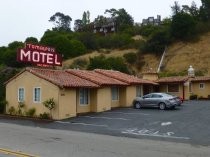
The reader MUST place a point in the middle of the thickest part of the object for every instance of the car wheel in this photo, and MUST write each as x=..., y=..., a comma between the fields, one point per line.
x=162, y=106
x=173, y=107
x=137, y=105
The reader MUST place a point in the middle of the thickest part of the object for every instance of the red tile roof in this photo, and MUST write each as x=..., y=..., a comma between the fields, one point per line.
x=200, y=78
x=96, y=77
x=173, y=79
x=61, y=78
x=130, y=79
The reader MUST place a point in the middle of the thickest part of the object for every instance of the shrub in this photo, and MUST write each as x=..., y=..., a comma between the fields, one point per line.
x=3, y=104
x=101, y=62
x=31, y=112
x=12, y=110
x=79, y=63
x=50, y=104
x=21, y=105
x=44, y=115
x=193, y=97
x=130, y=57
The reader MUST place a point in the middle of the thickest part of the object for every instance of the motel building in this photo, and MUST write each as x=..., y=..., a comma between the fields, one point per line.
x=74, y=91
x=182, y=86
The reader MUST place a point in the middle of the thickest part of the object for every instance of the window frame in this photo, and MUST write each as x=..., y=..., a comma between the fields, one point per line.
x=34, y=96
x=85, y=96
x=19, y=100
x=202, y=87
x=138, y=91
x=173, y=85
x=115, y=90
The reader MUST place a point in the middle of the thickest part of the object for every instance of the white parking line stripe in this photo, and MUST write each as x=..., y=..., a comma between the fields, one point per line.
x=90, y=124
x=62, y=122
x=75, y=123
x=105, y=118
x=145, y=114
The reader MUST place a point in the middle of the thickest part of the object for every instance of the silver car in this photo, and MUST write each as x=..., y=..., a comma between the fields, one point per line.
x=160, y=100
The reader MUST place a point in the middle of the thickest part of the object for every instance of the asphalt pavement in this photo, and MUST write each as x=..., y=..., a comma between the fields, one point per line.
x=186, y=124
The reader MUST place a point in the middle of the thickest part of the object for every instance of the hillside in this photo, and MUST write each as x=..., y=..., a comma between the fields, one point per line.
x=177, y=59
x=180, y=55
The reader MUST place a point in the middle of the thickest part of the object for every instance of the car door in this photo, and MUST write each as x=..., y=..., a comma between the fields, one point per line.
x=155, y=99
x=146, y=100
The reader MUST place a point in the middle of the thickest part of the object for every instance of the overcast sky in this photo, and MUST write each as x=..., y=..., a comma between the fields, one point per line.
x=29, y=18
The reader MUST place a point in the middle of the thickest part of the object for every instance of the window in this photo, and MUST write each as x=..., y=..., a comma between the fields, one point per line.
x=37, y=94
x=84, y=96
x=138, y=91
x=115, y=93
x=201, y=85
x=173, y=88
x=21, y=94
x=156, y=96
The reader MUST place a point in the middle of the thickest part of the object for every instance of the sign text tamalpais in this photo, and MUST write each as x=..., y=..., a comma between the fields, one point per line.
x=39, y=55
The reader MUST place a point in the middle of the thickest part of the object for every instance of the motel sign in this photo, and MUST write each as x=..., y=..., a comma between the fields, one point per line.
x=39, y=55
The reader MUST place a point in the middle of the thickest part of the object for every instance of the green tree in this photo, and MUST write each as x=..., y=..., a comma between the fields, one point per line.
x=122, y=18
x=192, y=10
x=31, y=40
x=64, y=44
x=205, y=10
x=78, y=25
x=101, y=62
x=61, y=22
x=86, y=18
x=176, y=8
x=9, y=55
x=88, y=39
x=183, y=26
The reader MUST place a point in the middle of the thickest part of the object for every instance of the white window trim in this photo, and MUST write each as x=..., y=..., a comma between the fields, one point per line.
x=202, y=84
x=34, y=95
x=118, y=94
x=173, y=92
x=88, y=97
x=23, y=94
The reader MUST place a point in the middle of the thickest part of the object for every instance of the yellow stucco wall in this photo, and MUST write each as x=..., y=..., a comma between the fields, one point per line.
x=103, y=99
x=201, y=92
x=67, y=103
x=130, y=95
x=29, y=81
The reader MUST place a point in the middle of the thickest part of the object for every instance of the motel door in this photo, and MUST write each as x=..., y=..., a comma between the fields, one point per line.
x=147, y=89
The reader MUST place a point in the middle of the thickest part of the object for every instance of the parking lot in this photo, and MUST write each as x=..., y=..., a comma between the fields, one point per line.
x=188, y=123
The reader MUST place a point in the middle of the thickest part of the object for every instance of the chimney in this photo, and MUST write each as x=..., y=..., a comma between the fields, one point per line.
x=191, y=71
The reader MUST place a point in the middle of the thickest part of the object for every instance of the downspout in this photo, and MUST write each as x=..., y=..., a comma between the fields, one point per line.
x=183, y=92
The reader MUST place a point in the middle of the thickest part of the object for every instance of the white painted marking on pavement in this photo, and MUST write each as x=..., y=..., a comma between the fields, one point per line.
x=81, y=124
x=90, y=124
x=166, y=123
x=62, y=122
x=105, y=118
x=145, y=114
